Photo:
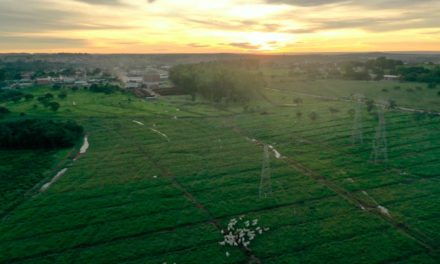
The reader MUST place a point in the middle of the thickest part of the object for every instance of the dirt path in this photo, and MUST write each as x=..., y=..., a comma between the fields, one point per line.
x=160, y=133
x=54, y=179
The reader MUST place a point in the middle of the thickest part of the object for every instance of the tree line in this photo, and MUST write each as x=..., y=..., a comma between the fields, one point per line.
x=39, y=134
x=218, y=82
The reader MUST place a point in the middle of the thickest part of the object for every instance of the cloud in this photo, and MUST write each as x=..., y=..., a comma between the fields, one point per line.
x=198, y=45
x=31, y=42
x=405, y=21
x=235, y=25
x=305, y=2
x=102, y=2
x=32, y=17
x=394, y=4
x=244, y=45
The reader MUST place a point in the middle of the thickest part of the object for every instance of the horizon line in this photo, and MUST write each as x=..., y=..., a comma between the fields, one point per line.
x=415, y=52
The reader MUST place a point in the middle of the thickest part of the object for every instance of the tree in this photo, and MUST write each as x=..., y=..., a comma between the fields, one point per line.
x=333, y=110
x=392, y=104
x=62, y=95
x=218, y=82
x=370, y=105
x=298, y=114
x=38, y=133
x=351, y=112
x=2, y=75
x=432, y=85
x=54, y=106
x=29, y=97
x=313, y=116
x=4, y=110
x=16, y=99
x=49, y=96
x=297, y=100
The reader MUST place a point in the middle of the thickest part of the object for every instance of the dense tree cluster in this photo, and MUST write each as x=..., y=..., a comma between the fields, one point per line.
x=218, y=81
x=358, y=70
x=429, y=75
x=13, y=70
x=104, y=88
x=39, y=134
x=4, y=110
x=10, y=95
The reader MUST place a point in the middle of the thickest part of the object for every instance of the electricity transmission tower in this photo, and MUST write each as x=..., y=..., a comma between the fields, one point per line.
x=265, y=182
x=380, y=147
x=357, y=135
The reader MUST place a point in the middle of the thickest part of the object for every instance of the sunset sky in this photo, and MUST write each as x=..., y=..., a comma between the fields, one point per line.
x=202, y=26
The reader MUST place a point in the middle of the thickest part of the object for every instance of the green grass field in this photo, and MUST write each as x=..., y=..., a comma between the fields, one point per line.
x=160, y=178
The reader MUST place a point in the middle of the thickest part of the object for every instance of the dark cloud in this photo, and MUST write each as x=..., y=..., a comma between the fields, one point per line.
x=39, y=18
x=409, y=20
x=236, y=25
x=101, y=2
x=198, y=45
x=31, y=42
x=305, y=2
x=109, y=2
x=377, y=4
x=244, y=45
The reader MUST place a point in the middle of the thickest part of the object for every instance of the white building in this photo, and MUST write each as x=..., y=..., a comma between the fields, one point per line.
x=391, y=77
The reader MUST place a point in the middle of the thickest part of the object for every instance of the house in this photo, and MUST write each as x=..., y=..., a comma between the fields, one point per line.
x=391, y=77
x=43, y=81
x=135, y=79
x=152, y=78
x=133, y=85
x=131, y=82
x=67, y=80
x=81, y=83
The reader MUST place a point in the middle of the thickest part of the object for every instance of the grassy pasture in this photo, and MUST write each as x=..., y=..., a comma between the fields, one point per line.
x=137, y=196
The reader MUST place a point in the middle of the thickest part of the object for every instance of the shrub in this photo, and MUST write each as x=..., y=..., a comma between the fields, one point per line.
x=351, y=112
x=107, y=88
x=432, y=86
x=4, y=110
x=29, y=97
x=62, y=95
x=333, y=110
x=313, y=116
x=392, y=104
x=10, y=95
x=370, y=105
x=54, y=106
x=297, y=100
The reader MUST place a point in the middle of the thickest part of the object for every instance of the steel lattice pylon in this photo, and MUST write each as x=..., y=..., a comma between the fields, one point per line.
x=265, y=181
x=380, y=147
x=357, y=134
